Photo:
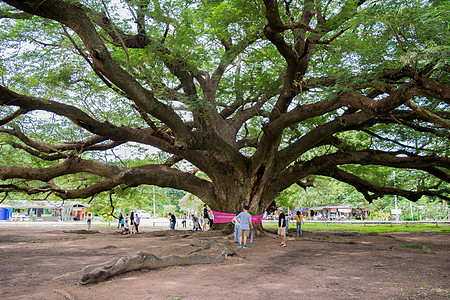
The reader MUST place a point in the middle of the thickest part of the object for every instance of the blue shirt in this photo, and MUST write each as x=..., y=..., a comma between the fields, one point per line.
x=244, y=220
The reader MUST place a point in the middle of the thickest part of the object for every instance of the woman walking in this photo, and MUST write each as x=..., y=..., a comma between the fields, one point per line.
x=299, y=219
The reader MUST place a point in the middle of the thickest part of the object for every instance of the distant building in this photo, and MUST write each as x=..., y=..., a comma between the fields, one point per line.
x=337, y=212
x=23, y=210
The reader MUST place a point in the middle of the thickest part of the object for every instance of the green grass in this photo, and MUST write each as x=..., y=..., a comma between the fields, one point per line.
x=417, y=246
x=377, y=228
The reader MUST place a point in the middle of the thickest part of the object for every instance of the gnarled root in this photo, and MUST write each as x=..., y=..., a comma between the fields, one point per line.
x=225, y=250
x=142, y=260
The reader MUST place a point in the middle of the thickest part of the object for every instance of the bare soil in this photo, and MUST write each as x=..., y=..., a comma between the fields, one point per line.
x=39, y=262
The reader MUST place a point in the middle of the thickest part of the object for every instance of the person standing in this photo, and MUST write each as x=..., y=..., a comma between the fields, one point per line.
x=137, y=221
x=245, y=223
x=211, y=218
x=205, y=217
x=132, y=228
x=299, y=218
x=184, y=220
x=120, y=221
x=89, y=221
x=173, y=221
x=235, y=221
x=195, y=223
x=282, y=227
x=286, y=218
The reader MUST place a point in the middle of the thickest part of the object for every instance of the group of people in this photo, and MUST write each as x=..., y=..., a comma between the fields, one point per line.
x=243, y=225
x=204, y=223
x=282, y=225
x=129, y=225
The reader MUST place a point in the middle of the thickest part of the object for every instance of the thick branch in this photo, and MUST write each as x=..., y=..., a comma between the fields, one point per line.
x=89, y=142
x=397, y=96
x=383, y=106
x=327, y=165
x=427, y=114
x=71, y=165
x=430, y=163
x=273, y=31
x=74, y=16
x=80, y=118
x=159, y=175
x=317, y=135
x=13, y=116
x=178, y=66
x=372, y=191
x=5, y=14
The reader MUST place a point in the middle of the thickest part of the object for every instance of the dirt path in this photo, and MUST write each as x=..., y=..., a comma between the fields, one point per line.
x=45, y=263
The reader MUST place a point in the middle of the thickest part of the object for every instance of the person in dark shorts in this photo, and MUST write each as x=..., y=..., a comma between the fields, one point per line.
x=282, y=227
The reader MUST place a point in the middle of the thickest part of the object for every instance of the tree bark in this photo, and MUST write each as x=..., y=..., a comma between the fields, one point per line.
x=142, y=260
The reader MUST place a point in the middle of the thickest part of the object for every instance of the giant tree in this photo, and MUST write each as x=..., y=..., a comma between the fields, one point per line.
x=246, y=98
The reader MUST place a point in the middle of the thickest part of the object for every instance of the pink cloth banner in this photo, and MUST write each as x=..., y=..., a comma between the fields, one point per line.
x=220, y=217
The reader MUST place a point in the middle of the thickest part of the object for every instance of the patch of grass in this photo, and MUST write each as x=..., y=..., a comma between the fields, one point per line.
x=376, y=228
x=103, y=226
x=417, y=246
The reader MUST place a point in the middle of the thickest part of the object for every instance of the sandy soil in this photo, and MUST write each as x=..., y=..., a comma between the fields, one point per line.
x=44, y=263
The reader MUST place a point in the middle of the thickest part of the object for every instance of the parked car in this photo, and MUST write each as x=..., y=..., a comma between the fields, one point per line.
x=143, y=214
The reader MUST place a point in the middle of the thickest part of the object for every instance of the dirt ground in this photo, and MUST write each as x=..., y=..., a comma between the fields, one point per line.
x=38, y=262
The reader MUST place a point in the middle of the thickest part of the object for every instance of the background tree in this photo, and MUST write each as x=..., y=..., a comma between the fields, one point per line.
x=246, y=98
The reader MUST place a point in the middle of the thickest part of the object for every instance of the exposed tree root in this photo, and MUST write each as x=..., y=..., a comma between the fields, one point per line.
x=168, y=233
x=64, y=294
x=81, y=231
x=264, y=232
x=226, y=251
x=141, y=260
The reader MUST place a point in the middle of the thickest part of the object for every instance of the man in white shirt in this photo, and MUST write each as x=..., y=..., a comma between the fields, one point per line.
x=137, y=221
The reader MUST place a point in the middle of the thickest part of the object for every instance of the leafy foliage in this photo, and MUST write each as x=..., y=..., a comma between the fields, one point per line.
x=242, y=99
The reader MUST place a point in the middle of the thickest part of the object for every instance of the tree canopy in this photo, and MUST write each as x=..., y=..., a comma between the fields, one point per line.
x=244, y=98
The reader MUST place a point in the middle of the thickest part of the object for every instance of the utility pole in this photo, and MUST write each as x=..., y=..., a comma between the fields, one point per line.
x=154, y=204
x=396, y=207
x=397, y=216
